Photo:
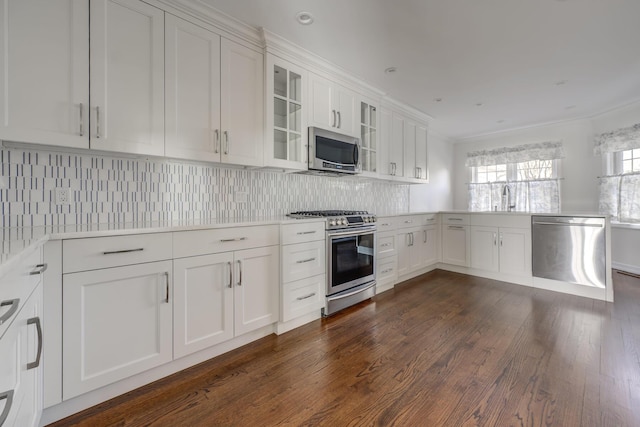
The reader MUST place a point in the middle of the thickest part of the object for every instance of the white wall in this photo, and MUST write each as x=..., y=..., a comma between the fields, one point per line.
x=437, y=194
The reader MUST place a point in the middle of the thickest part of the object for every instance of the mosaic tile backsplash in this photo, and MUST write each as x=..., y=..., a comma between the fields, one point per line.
x=106, y=189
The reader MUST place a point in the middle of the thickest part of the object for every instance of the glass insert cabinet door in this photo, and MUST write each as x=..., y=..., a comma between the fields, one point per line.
x=288, y=124
x=368, y=136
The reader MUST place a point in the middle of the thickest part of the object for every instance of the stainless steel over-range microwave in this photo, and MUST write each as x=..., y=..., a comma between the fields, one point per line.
x=333, y=152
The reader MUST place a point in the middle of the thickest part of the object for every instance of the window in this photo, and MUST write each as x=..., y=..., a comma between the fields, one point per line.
x=533, y=183
x=620, y=184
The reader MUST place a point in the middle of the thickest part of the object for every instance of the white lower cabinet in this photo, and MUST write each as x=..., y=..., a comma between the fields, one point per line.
x=417, y=248
x=117, y=322
x=20, y=366
x=504, y=250
x=455, y=244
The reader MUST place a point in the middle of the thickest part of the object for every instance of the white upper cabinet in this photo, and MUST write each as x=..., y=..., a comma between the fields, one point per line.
x=369, y=137
x=242, y=102
x=332, y=106
x=127, y=77
x=421, y=153
x=44, y=72
x=385, y=168
x=396, y=147
x=214, y=96
x=286, y=138
x=409, y=144
x=192, y=91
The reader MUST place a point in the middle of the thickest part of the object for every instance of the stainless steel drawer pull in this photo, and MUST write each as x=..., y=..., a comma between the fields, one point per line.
x=123, y=251
x=8, y=395
x=14, y=303
x=386, y=224
x=226, y=140
x=36, y=321
x=230, y=274
x=217, y=142
x=431, y=219
x=97, y=122
x=238, y=239
x=409, y=221
x=306, y=232
x=167, y=287
x=306, y=296
x=456, y=227
x=339, y=120
x=388, y=270
x=454, y=219
x=384, y=245
x=302, y=261
x=239, y=272
x=41, y=268
x=81, y=119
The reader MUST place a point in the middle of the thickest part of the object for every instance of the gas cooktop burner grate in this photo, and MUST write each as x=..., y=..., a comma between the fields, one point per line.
x=328, y=213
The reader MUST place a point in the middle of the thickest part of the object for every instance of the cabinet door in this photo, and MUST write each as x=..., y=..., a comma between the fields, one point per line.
x=117, y=322
x=256, y=284
x=242, y=101
x=421, y=152
x=484, y=248
x=44, y=72
x=404, y=252
x=344, y=102
x=396, y=147
x=21, y=367
x=429, y=249
x=384, y=142
x=286, y=103
x=192, y=71
x=203, y=302
x=455, y=244
x=515, y=251
x=409, y=144
x=321, y=111
x=127, y=77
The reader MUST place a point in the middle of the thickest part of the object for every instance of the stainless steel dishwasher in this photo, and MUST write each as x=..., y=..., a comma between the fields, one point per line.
x=569, y=249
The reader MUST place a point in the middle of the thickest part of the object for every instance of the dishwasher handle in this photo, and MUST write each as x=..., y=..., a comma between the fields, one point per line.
x=568, y=221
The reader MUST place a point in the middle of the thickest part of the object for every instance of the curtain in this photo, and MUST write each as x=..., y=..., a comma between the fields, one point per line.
x=620, y=197
x=618, y=140
x=519, y=153
x=527, y=196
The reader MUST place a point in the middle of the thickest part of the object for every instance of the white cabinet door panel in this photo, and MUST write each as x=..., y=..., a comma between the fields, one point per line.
x=44, y=72
x=430, y=245
x=421, y=152
x=515, y=251
x=242, y=104
x=192, y=91
x=396, y=146
x=484, y=248
x=256, y=291
x=203, y=302
x=127, y=77
x=321, y=112
x=455, y=244
x=117, y=322
x=409, y=144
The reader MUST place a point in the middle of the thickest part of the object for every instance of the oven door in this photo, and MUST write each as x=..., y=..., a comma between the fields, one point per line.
x=351, y=258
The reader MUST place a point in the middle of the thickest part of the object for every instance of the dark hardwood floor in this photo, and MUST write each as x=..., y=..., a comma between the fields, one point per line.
x=444, y=349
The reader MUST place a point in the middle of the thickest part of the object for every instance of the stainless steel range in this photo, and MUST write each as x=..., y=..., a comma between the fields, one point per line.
x=351, y=264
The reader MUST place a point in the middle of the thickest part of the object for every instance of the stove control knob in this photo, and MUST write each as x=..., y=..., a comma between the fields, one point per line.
x=373, y=219
x=332, y=222
x=366, y=219
x=344, y=221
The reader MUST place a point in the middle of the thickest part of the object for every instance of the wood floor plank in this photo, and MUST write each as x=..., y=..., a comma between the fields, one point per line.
x=444, y=349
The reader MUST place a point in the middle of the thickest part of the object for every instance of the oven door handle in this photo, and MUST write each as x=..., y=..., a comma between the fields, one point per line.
x=351, y=232
x=357, y=291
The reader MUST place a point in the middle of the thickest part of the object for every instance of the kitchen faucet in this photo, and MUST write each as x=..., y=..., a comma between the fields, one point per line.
x=506, y=199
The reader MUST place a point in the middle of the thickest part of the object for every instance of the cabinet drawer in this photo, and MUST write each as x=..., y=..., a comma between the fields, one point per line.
x=302, y=296
x=429, y=219
x=202, y=242
x=302, y=232
x=386, y=244
x=17, y=285
x=103, y=252
x=456, y=219
x=409, y=221
x=387, y=223
x=387, y=270
x=303, y=260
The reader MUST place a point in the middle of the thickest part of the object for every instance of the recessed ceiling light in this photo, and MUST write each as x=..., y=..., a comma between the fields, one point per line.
x=479, y=104
x=562, y=82
x=500, y=121
x=305, y=18
x=570, y=107
x=390, y=70
x=438, y=100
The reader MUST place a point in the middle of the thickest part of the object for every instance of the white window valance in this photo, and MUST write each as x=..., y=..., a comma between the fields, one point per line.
x=618, y=140
x=521, y=153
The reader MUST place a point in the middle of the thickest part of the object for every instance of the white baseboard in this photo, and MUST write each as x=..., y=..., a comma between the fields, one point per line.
x=626, y=267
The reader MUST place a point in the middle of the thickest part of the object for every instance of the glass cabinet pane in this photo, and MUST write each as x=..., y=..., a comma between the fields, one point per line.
x=372, y=116
x=364, y=136
x=372, y=138
x=295, y=87
x=280, y=113
x=364, y=113
x=295, y=117
x=279, y=81
x=373, y=162
x=295, y=144
x=280, y=144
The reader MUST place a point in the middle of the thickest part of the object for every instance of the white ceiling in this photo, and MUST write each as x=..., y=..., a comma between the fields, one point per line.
x=508, y=55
